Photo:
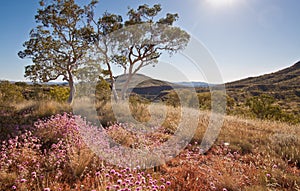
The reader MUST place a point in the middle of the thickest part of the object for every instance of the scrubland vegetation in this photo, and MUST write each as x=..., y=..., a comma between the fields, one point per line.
x=42, y=148
x=50, y=139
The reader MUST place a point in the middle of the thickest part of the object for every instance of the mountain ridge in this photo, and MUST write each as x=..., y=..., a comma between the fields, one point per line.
x=287, y=76
x=283, y=85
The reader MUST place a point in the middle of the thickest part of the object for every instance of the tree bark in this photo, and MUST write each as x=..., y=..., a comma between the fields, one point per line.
x=72, y=89
x=125, y=86
x=112, y=82
x=114, y=91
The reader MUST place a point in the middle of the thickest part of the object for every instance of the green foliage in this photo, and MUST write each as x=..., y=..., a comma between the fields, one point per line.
x=263, y=107
x=58, y=43
x=21, y=84
x=10, y=93
x=103, y=106
x=266, y=107
x=172, y=99
x=137, y=41
x=103, y=91
x=136, y=99
x=59, y=93
x=184, y=97
x=103, y=97
x=220, y=100
x=65, y=31
x=36, y=92
x=204, y=100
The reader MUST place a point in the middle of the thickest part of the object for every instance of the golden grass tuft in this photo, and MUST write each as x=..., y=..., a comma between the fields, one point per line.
x=42, y=108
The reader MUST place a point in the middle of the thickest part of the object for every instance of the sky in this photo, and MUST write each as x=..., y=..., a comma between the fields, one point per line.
x=242, y=38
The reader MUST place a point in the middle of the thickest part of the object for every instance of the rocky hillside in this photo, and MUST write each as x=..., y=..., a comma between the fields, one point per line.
x=288, y=77
x=284, y=85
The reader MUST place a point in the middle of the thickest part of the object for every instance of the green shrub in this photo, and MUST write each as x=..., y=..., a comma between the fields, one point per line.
x=172, y=99
x=10, y=93
x=263, y=107
x=182, y=97
x=59, y=93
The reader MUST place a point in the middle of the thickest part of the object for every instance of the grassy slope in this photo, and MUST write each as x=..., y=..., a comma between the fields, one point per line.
x=259, y=157
x=285, y=77
x=248, y=155
x=284, y=85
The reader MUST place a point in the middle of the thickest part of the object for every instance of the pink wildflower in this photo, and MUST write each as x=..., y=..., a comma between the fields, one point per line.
x=23, y=180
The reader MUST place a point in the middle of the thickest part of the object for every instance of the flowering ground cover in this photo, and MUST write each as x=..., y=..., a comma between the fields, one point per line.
x=51, y=154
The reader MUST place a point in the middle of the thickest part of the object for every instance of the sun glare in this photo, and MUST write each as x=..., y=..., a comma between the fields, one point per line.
x=221, y=3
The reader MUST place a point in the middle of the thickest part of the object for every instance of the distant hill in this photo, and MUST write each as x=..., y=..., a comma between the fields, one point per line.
x=140, y=80
x=284, y=85
x=46, y=83
x=193, y=84
x=286, y=77
x=146, y=86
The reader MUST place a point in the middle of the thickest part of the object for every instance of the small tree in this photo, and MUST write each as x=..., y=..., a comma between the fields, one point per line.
x=263, y=107
x=58, y=43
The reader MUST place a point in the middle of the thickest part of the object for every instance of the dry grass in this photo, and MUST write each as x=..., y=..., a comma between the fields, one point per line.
x=79, y=160
x=247, y=155
x=255, y=148
x=42, y=108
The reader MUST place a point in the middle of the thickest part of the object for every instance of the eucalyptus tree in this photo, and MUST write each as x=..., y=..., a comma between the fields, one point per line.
x=102, y=44
x=146, y=38
x=58, y=44
x=137, y=41
x=67, y=36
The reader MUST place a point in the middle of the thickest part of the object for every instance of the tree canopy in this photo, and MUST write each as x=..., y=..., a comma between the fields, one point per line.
x=68, y=39
x=138, y=41
x=57, y=45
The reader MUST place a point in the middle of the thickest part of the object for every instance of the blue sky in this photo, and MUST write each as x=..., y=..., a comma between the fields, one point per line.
x=245, y=37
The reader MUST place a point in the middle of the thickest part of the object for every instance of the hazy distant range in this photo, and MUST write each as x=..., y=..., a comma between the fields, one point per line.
x=186, y=84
